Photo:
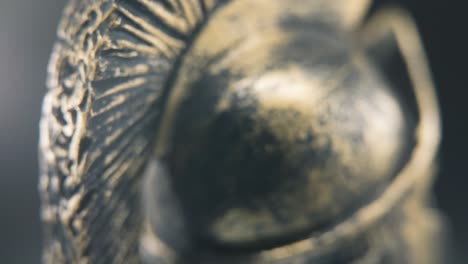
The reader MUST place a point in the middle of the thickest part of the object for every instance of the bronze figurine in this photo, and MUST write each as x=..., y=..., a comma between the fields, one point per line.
x=238, y=131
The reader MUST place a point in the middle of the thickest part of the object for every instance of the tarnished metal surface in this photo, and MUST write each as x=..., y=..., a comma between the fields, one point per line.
x=262, y=131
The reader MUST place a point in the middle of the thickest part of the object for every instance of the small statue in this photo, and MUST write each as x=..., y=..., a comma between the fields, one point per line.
x=241, y=131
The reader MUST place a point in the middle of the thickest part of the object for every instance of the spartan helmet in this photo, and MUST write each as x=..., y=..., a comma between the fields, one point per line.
x=262, y=131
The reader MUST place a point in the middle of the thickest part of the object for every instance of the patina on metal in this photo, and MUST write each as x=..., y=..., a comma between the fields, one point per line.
x=241, y=131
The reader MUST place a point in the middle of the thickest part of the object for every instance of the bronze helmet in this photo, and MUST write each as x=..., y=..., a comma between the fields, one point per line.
x=241, y=131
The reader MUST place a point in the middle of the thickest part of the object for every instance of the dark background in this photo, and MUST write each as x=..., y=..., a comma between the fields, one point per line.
x=27, y=31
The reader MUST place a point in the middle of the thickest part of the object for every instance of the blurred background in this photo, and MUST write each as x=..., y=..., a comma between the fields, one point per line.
x=27, y=31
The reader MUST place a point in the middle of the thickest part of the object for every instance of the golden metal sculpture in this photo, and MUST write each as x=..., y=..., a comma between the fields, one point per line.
x=241, y=131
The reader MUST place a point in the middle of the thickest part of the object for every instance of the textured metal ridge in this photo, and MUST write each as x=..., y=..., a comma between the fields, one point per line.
x=105, y=81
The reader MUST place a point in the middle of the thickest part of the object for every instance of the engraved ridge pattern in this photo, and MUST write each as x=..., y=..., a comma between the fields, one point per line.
x=106, y=76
